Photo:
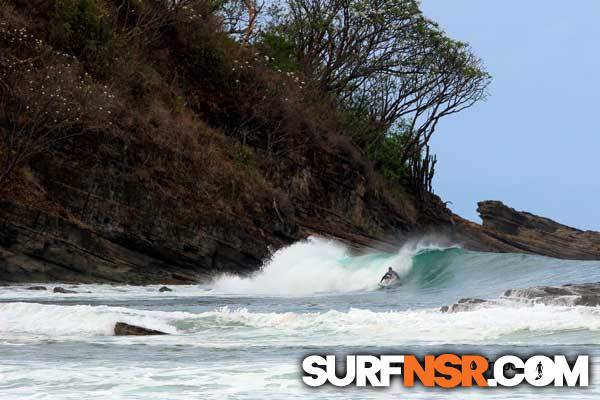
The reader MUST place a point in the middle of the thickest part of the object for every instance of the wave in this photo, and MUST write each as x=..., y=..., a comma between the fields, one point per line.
x=78, y=320
x=501, y=324
x=318, y=265
x=431, y=273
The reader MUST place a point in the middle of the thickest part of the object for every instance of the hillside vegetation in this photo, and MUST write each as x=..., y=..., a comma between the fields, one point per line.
x=204, y=133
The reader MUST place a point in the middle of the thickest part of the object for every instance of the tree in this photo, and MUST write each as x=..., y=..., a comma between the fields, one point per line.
x=387, y=61
x=342, y=43
x=240, y=17
x=450, y=80
x=144, y=20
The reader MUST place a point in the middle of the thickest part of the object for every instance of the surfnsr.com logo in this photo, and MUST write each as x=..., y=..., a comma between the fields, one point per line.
x=446, y=371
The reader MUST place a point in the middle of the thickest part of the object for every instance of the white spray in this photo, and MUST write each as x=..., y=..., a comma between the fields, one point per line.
x=317, y=265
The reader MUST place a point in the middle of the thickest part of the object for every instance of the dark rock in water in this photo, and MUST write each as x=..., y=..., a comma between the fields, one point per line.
x=123, y=329
x=165, y=289
x=588, y=300
x=470, y=300
x=59, y=289
x=466, y=304
x=37, y=288
x=585, y=294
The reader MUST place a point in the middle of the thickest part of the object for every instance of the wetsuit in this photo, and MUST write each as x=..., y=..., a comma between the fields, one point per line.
x=390, y=275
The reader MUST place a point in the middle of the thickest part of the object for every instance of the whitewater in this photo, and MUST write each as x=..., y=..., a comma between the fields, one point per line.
x=244, y=338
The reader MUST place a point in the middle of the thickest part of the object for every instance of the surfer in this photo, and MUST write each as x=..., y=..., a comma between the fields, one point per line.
x=390, y=275
x=540, y=370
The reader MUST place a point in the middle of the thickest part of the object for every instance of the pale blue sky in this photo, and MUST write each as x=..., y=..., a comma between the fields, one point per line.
x=534, y=143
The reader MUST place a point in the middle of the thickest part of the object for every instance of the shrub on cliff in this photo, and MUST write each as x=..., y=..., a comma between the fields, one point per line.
x=76, y=25
x=45, y=98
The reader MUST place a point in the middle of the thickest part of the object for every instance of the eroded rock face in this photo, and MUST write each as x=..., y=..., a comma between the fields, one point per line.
x=117, y=228
x=586, y=294
x=123, y=329
x=539, y=235
x=507, y=230
x=496, y=215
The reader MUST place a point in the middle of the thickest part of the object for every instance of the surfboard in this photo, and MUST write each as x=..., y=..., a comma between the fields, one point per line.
x=389, y=282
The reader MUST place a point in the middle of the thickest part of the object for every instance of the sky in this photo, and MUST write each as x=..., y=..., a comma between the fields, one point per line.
x=534, y=143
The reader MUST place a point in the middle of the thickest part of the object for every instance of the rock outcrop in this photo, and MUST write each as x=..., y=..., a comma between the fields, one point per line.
x=505, y=229
x=37, y=288
x=466, y=304
x=123, y=329
x=586, y=294
x=164, y=289
x=59, y=289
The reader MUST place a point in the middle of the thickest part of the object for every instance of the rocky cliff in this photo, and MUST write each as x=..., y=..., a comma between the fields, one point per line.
x=97, y=239
x=104, y=224
x=109, y=214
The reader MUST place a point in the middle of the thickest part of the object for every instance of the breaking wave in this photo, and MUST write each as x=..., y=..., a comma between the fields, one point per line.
x=318, y=265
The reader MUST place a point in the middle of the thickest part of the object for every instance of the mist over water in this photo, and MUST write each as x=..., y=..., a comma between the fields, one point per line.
x=244, y=337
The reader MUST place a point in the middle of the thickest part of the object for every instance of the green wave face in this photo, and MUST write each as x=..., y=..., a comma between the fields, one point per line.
x=442, y=276
x=435, y=267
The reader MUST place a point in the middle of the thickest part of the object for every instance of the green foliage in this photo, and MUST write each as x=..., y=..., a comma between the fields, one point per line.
x=242, y=154
x=385, y=154
x=281, y=51
x=393, y=72
x=77, y=25
x=383, y=145
x=244, y=158
x=208, y=53
x=179, y=104
x=215, y=6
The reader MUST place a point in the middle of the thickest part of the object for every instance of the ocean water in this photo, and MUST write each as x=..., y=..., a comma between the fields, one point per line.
x=245, y=338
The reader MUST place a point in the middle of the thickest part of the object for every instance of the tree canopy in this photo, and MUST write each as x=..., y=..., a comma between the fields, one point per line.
x=385, y=58
x=382, y=60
